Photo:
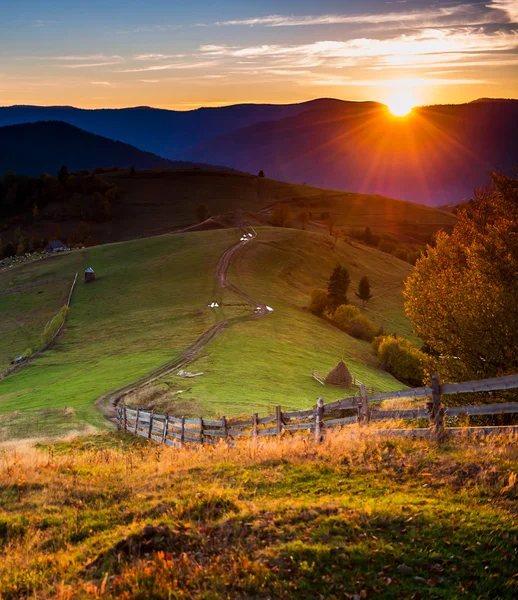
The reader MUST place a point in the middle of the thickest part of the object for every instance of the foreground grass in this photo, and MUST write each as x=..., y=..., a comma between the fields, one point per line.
x=107, y=517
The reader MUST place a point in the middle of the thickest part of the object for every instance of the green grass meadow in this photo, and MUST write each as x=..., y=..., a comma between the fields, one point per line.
x=149, y=303
x=256, y=365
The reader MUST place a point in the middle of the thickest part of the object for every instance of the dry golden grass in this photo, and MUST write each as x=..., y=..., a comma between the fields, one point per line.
x=286, y=518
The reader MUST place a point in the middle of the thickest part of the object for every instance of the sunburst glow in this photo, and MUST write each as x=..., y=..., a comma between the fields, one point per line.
x=400, y=105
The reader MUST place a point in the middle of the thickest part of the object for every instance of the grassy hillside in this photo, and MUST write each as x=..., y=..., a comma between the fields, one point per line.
x=158, y=201
x=149, y=303
x=107, y=518
x=259, y=364
x=25, y=314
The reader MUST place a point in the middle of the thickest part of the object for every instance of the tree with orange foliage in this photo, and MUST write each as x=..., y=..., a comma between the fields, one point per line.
x=463, y=295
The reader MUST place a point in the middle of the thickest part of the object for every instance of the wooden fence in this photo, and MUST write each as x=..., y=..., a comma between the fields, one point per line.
x=176, y=431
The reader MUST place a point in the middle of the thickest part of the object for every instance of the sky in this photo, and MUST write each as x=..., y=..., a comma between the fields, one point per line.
x=182, y=55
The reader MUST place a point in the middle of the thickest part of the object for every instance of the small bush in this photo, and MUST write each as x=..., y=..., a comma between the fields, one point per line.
x=344, y=314
x=319, y=301
x=362, y=328
x=402, y=359
x=349, y=319
x=52, y=326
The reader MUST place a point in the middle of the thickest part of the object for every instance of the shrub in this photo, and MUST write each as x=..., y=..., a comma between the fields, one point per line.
x=362, y=328
x=349, y=319
x=401, y=253
x=402, y=359
x=344, y=314
x=386, y=246
x=52, y=326
x=319, y=301
x=377, y=341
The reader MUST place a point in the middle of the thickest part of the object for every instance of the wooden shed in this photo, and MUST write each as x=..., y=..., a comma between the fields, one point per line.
x=340, y=376
x=89, y=275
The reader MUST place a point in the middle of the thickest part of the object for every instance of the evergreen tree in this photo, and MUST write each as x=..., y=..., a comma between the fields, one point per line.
x=202, y=212
x=364, y=290
x=63, y=174
x=9, y=250
x=338, y=286
x=368, y=238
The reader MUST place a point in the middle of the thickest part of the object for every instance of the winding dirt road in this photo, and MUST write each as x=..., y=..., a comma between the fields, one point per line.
x=107, y=403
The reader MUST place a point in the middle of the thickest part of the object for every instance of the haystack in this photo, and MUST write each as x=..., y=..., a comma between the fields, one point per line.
x=340, y=376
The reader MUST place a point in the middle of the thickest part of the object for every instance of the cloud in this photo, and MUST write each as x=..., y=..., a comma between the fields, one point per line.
x=157, y=56
x=198, y=65
x=407, y=17
x=90, y=65
x=509, y=7
x=76, y=57
x=461, y=42
x=408, y=83
x=107, y=83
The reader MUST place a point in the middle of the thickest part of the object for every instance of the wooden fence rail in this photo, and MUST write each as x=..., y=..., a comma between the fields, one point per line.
x=175, y=431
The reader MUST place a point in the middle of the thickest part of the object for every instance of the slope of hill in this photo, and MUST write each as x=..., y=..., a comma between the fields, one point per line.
x=149, y=303
x=163, y=132
x=434, y=156
x=37, y=148
x=158, y=201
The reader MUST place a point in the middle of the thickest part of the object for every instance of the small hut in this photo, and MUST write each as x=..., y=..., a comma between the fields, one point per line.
x=340, y=376
x=89, y=275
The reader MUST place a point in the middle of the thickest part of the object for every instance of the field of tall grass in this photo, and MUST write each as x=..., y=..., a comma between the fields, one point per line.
x=111, y=516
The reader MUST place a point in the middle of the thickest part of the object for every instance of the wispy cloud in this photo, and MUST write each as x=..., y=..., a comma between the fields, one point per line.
x=185, y=65
x=157, y=56
x=462, y=42
x=72, y=57
x=406, y=17
x=105, y=83
x=90, y=65
x=407, y=83
x=509, y=7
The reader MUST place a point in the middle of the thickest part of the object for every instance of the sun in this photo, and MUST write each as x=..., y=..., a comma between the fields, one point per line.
x=400, y=105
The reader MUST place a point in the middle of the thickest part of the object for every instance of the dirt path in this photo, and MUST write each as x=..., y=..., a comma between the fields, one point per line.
x=108, y=402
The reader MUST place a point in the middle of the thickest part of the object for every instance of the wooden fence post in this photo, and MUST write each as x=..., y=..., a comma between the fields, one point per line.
x=136, y=421
x=151, y=414
x=319, y=422
x=182, y=433
x=224, y=427
x=166, y=428
x=365, y=411
x=201, y=431
x=125, y=419
x=278, y=418
x=255, y=419
x=436, y=413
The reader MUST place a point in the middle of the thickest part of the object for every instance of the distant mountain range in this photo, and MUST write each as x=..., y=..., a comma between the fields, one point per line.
x=435, y=157
x=43, y=147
